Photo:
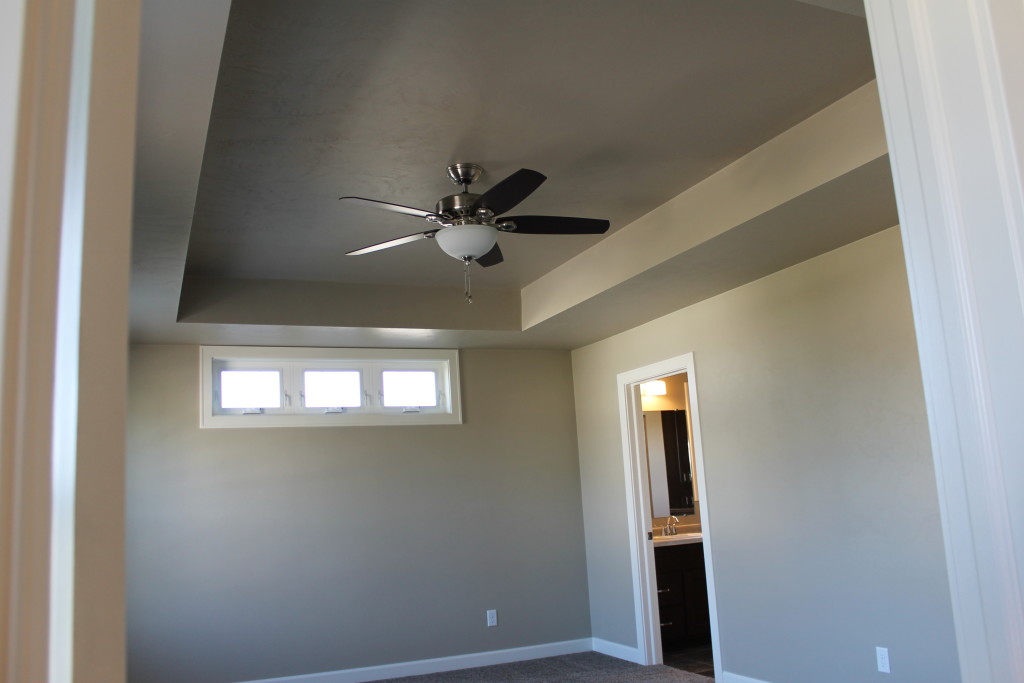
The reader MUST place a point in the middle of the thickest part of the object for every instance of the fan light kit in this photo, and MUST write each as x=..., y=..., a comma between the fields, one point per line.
x=468, y=222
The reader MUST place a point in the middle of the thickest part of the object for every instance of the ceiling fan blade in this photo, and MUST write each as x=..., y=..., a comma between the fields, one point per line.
x=557, y=225
x=510, y=191
x=387, y=206
x=393, y=243
x=491, y=258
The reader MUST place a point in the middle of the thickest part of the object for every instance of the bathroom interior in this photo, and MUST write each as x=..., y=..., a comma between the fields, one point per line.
x=676, y=526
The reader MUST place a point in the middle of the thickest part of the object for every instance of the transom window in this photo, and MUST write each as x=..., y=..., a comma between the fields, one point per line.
x=246, y=386
x=329, y=389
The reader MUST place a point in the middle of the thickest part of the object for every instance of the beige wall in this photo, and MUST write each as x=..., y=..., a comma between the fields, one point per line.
x=820, y=499
x=255, y=553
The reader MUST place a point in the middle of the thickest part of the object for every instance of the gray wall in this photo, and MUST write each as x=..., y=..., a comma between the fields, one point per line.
x=271, y=552
x=821, y=497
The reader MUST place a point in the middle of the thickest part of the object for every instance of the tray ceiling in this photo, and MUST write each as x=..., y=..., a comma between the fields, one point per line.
x=622, y=105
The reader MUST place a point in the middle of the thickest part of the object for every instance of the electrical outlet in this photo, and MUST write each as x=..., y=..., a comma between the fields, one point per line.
x=882, y=655
x=492, y=617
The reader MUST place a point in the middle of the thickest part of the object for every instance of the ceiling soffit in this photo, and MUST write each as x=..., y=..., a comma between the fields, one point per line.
x=837, y=140
x=819, y=186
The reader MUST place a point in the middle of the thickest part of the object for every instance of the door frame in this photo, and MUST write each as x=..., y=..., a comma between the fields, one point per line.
x=638, y=504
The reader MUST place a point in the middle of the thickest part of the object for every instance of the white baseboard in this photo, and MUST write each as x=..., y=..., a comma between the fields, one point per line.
x=728, y=677
x=430, y=666
x=606, y=647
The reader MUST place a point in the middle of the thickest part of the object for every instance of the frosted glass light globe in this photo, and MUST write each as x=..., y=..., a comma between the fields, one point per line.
x=467, y=241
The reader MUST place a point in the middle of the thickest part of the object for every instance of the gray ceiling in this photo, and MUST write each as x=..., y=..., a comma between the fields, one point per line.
x=623, y=105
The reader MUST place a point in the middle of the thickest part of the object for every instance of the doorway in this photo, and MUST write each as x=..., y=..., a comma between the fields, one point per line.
x=639, y=506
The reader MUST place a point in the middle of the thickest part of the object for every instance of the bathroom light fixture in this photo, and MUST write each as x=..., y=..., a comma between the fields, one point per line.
x=653, y=388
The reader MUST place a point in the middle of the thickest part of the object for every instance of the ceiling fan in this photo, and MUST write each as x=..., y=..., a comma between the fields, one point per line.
x=469, y=224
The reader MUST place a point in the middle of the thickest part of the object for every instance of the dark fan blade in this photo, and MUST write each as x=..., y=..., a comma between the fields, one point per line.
x=510, y=191
x=393, y=243
x=557, y=225
x=491, y=258
x=387, y=206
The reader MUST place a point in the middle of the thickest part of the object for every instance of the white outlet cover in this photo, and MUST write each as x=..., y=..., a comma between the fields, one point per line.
x=882, y=656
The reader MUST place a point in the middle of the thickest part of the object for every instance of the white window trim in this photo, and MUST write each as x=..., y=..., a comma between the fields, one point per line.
x=292, y=360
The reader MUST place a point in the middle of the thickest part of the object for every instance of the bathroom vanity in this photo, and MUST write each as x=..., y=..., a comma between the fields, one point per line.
x=682, y=590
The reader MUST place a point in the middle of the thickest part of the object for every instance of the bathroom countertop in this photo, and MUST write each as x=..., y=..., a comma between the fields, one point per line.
x=678, y=539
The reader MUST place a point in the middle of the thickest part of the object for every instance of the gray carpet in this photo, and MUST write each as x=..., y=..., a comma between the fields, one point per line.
x=586, y=667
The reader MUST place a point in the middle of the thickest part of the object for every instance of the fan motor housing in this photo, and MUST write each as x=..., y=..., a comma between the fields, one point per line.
x=457, y=205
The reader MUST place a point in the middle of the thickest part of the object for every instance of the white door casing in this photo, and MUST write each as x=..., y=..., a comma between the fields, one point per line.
x=638, y=504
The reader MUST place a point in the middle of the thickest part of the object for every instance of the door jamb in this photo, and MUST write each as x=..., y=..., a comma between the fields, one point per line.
x=638, y=505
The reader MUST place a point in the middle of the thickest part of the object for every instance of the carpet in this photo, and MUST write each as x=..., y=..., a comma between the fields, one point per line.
x=585, y=667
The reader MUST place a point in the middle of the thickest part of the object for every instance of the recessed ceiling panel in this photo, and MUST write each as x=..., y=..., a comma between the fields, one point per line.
x=622, y=105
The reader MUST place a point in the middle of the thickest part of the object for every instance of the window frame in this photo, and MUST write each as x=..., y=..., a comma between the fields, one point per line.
x=294, y=361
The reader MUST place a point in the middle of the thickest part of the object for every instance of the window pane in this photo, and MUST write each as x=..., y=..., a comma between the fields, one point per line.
x=409, y=388
x=250, y=389
x=332, y=389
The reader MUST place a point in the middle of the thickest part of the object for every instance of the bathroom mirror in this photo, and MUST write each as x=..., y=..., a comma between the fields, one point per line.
x=666, y=427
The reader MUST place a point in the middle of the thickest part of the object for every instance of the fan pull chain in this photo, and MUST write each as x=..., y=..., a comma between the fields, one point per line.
x=465, y=278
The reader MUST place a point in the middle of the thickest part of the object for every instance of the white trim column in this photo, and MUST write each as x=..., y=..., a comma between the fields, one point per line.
x=99, y=603
x=65, y=221
x=953, y=102
x=34, y=89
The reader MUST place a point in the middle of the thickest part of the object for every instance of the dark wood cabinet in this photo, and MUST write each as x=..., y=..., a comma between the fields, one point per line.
x=682, y=595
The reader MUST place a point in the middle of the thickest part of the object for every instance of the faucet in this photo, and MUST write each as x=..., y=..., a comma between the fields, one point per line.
x=670, y=527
